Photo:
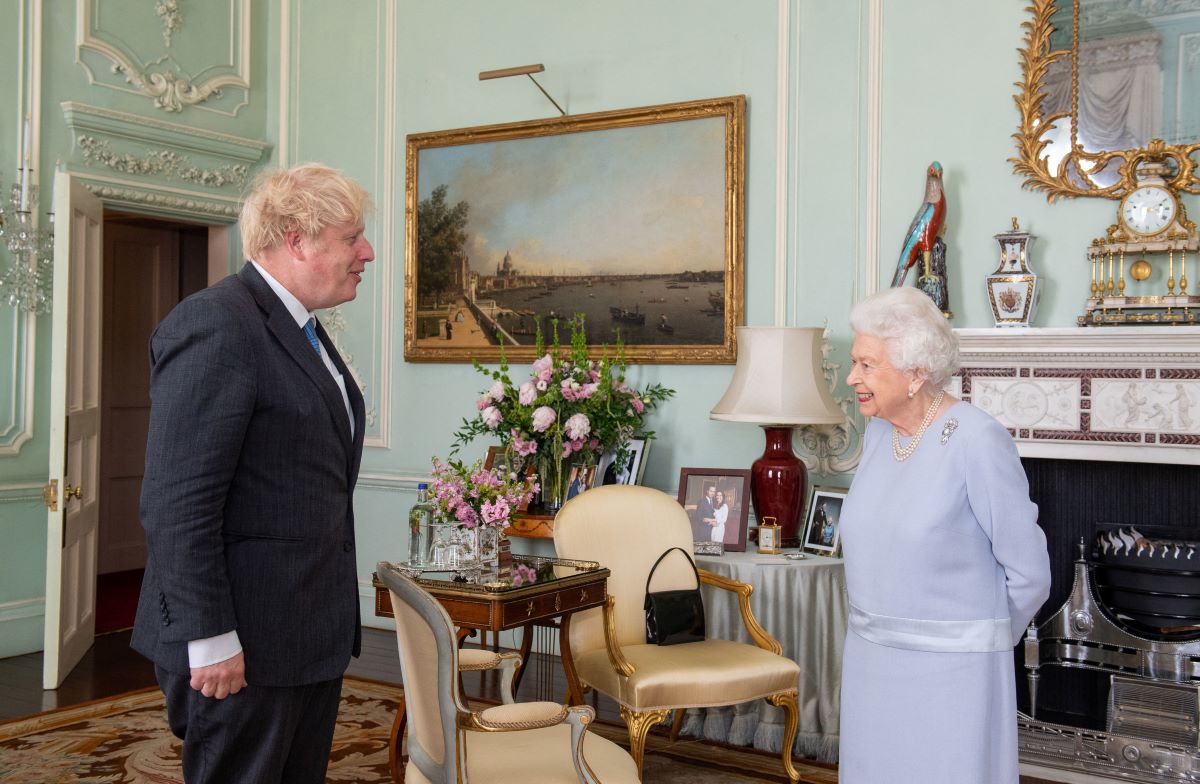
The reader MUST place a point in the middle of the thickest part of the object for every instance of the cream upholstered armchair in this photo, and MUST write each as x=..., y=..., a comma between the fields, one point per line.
x=626, y=528
x=534, y=743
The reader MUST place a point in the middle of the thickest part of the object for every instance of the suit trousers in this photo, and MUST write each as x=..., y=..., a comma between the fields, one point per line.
x=261, y=735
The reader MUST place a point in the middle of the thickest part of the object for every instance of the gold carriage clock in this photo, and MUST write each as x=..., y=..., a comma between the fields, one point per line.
x=1151, y=240
x=1013, y=288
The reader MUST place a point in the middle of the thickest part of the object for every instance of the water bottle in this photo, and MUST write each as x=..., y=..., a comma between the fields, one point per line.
x=418, y=525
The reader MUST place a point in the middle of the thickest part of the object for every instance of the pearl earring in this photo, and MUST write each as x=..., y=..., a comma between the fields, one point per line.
x=910, y=394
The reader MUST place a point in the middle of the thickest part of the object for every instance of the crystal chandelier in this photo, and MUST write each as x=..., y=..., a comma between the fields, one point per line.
x=26, y=283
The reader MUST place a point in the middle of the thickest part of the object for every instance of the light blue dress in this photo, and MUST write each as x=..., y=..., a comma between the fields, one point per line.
x=945, y=567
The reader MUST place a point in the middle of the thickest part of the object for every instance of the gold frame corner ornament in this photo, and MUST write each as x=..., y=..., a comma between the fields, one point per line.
x=731, y=108
x=1071, y=176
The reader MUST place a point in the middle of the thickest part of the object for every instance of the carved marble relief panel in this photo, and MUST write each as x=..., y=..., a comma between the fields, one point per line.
x=177, y=53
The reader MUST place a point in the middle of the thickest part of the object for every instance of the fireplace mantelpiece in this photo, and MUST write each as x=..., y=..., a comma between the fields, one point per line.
x=1113, y=393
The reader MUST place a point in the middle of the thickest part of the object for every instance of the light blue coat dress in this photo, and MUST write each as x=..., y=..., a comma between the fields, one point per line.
x=945, y=567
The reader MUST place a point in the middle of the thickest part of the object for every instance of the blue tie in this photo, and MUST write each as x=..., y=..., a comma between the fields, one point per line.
x=310, y=331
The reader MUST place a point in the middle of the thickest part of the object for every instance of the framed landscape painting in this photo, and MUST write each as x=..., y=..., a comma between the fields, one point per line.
x=633, y=218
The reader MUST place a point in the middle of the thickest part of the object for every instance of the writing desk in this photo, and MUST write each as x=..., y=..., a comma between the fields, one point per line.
x=497, y=602
x=802, y=604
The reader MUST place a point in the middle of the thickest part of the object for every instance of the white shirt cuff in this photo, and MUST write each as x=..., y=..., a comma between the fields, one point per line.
x=202, y=653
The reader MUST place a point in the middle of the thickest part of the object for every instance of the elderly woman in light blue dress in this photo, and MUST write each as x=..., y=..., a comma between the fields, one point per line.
x=945, y=563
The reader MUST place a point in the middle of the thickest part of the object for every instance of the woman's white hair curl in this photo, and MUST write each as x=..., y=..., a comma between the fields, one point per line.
x=913, y=329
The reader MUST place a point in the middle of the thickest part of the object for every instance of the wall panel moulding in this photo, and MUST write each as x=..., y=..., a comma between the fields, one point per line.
x=194, y=56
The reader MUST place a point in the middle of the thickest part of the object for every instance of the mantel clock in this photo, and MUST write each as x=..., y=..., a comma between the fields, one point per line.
x=1152, y=229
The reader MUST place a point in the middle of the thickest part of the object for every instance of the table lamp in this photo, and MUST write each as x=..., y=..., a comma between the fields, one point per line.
x=778, y=383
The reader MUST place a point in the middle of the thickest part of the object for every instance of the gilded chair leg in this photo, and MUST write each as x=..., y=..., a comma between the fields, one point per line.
x=639, y=724
x=677, y=724
x=791, y=712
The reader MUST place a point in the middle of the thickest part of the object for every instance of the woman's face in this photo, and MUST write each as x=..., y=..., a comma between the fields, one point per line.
x=719, y=499
x=881, y=390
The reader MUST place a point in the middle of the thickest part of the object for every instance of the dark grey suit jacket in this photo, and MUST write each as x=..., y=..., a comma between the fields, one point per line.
x=247, y=499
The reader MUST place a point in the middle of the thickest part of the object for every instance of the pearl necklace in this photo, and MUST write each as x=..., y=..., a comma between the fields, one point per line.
x=903, y=453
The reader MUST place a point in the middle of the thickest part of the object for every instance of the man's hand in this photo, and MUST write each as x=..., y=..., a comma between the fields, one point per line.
x=221, y=679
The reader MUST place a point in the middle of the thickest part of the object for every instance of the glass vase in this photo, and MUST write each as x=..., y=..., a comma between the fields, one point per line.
x=553, y=476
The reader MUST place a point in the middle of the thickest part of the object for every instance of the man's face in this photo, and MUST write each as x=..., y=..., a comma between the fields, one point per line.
x=710, y=492
x=330, y=266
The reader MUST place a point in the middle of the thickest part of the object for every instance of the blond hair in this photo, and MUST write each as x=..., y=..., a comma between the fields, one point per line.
x=306, y=198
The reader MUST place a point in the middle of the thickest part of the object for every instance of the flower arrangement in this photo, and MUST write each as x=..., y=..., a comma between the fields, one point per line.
x=477, y=497
x=572, y=408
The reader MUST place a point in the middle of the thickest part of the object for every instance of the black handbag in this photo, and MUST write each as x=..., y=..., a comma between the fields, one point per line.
x=674, y=617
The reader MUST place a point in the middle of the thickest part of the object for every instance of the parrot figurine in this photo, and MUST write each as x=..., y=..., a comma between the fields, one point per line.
x=926, y=225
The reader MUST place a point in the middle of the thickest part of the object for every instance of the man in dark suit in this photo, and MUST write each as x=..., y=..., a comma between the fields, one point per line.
x=706, y=515
x=249, y=605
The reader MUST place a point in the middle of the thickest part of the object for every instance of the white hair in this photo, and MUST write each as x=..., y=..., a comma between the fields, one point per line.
x=914, y=331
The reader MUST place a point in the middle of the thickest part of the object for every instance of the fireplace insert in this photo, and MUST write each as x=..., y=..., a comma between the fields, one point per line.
x=1134, y=614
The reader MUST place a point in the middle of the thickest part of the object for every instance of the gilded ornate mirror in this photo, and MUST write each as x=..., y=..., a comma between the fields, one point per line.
x=1107, y=85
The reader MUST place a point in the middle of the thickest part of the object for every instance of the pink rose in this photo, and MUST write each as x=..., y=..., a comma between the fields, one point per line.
x=497, y=391
x=543, y=418
x=577, y=427
x=527, y=393
x=491, y=417
x=638, y=405
x=483, y=402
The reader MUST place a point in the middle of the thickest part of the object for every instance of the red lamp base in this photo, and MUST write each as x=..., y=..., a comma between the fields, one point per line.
x=778, y=483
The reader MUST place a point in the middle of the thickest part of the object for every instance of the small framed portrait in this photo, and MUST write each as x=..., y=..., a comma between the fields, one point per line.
x=823, y=529
x=718, y=502
x=580, y=478
x=631, y=473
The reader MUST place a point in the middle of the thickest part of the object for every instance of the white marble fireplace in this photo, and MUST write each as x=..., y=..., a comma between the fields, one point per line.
x=1102, y=393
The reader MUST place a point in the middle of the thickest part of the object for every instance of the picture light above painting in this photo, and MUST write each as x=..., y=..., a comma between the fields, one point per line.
x=632, y=217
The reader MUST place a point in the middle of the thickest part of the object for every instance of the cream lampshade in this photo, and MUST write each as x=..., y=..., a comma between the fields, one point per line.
x=778, y=383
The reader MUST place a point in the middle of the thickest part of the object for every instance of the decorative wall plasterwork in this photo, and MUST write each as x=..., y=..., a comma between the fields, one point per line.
x=170, y=202
x=163, y=163
x=153, y=156
x=334, y=322
x=1130, y=394
x=220, y=83
x=833, y=449
x=172, y=17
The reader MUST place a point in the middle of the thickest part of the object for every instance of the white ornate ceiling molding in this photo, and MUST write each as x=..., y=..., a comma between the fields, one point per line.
x=209, y=70
x=127, y=144
x=1109, y=393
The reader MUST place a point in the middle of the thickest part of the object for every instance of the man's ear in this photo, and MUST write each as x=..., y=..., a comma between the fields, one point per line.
x=296, y=243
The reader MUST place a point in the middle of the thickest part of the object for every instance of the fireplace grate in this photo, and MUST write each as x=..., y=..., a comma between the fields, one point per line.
x=1166, y=712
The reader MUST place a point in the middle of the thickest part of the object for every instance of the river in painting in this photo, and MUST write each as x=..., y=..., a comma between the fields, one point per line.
x=659, y=310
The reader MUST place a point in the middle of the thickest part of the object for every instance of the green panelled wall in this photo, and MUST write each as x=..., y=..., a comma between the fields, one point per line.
x=866, y=94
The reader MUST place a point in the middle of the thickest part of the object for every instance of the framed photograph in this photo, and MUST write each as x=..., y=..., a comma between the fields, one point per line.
x=635, y=467
x=822, y=531
x=580, y=478
x=632, y=217
x=718, y=502
x=495, y=459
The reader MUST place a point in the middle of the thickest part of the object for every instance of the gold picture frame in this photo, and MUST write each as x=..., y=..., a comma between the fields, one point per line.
x=634, y=217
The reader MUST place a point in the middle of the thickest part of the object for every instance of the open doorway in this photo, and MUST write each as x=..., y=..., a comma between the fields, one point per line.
x=150, y=264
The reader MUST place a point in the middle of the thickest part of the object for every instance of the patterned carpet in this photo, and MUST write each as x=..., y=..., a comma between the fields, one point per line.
x=125, y=740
